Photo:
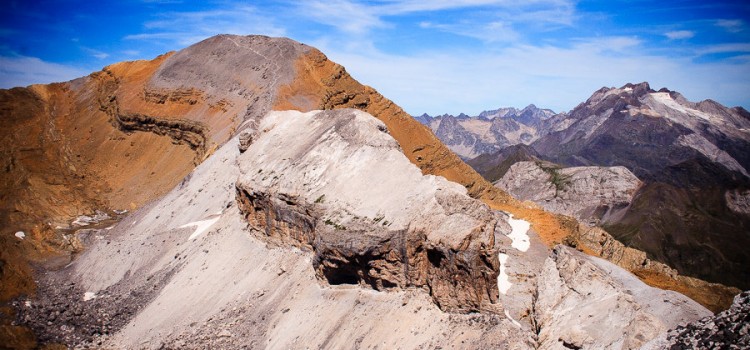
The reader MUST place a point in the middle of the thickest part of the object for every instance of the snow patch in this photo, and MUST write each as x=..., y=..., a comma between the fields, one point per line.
x=667, y=100
x=518, y=234
x=20, y=235
x=88, y=296
x=503, y=282
x=200, y=226
x=27, y=303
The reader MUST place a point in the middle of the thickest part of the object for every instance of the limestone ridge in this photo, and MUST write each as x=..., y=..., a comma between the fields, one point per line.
x=193, y=240
x=318, y=194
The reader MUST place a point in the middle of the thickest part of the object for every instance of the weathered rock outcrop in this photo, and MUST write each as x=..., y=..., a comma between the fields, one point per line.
x=586, y=302
x=594, y=195
x=493, y=166
x=738, y=201
x=404, y=230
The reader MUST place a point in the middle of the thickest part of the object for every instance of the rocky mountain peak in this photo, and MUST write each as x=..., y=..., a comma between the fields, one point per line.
x=683, y=152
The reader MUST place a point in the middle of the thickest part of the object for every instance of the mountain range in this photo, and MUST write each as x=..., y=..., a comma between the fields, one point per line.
x=685, y=206
x=248, y=192
x=488, y=132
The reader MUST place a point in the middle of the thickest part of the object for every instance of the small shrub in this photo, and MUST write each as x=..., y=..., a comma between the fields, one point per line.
x=321, y=199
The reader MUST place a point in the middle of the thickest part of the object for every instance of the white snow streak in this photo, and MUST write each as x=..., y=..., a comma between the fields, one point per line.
x=667, y=100
x=88, y=296
x=20, y=235
x=200, y=226
x=518, y=233
x=503, y=283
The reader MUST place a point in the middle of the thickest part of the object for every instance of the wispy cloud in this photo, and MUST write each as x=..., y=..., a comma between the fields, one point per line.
x=493, y=20
x=185, y=28
x=23, y=71
x=550, y=76
x=497, y=31
x=613, y=44
x=730, y=25
x=347, y=16
x=679, y=34
x=95, y=53
x=724, y=48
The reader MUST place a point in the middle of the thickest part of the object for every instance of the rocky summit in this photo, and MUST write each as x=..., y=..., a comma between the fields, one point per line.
x=246, y=192
x=692, y=160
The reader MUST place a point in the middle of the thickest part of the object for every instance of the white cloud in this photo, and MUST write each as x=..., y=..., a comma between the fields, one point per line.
x=679, y=34
x=23, y=71
x=730, y=25
x=398, y=7
x=186, y=28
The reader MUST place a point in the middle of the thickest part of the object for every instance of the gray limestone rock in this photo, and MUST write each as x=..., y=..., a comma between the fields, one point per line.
x=591, y=194
x=589, y=303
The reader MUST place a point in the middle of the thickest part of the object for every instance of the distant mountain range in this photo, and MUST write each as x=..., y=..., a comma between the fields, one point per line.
x=490, y=131
x=691, y=210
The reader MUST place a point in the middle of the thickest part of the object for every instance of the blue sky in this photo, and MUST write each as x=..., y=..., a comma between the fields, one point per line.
x=428, y=56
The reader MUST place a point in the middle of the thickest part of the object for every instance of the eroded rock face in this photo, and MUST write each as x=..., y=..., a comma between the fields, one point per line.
x=590, y=194
x=403, y=230
x=589, y=303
